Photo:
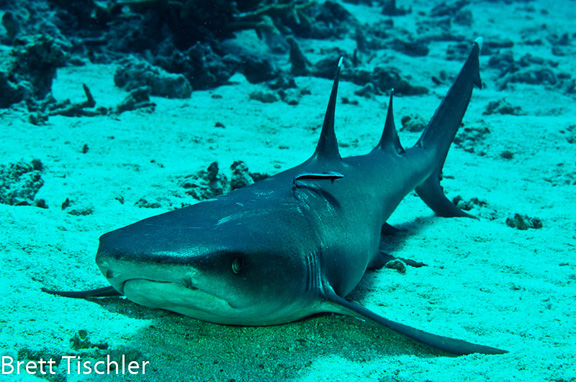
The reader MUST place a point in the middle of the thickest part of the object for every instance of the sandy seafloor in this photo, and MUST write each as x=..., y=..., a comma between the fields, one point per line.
x=485, y=282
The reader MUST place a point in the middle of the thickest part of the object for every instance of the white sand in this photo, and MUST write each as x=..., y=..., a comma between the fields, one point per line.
x=485, y=282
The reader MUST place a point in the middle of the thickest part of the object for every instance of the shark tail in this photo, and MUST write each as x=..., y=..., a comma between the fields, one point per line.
x=441, y=130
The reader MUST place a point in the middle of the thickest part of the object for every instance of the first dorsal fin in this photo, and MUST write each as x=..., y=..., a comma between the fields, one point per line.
x=390, y=140
x=327, y=148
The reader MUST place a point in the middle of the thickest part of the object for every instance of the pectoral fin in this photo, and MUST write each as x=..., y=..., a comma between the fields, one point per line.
x=99, y=292
x=449, y=345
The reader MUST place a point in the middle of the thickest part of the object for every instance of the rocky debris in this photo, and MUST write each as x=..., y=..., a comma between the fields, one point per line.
x=503, y=61
x=322, y=20
x=291, y=96
x=209, y=183
x=41, y=111
x=397, y=265
x=263, y=96
x=453, y=13
x=502, y=107
x=472, y=139
x=383, y=79
x=205, y=184
x=134, y=73
x=561, y=175
x=138, y=98
x=240, y=175
x=299, y=62
x=506, y=154
x=29, y=68
x=144, y=203
x=413, y=123
x=561, y=44
x=74, y=208
x=448, y=9
x=367, y=91
x=416, y=48
x=570, y=133
x=391, y=78
x=468, y=205
x=283, y=82
x=492, y=47
x=19, y=183
x=476, y=207
x=36, y=59
x=523, y=222
x=203, y=64
x=391, y=9
x=258, y=69
x=531, y=70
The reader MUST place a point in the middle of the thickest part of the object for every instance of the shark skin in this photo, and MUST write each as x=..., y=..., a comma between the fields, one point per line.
x=294, y=244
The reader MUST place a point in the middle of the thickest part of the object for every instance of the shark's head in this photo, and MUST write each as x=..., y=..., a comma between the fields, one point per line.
x=230, y=270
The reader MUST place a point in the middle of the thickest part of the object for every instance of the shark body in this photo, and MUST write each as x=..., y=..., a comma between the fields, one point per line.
x=294, y=244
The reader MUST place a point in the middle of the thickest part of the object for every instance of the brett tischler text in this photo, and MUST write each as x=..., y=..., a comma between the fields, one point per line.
x=74, y=365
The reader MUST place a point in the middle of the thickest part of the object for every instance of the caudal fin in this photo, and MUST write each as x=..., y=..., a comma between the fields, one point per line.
x=441, y=130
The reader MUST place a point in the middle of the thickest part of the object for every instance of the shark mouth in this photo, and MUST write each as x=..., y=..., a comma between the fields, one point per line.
x=176, y=297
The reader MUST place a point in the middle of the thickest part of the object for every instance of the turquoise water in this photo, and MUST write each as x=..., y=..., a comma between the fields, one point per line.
x=181, y=105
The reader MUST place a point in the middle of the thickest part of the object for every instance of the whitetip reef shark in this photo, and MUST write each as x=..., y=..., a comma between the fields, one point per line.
x=294, y=244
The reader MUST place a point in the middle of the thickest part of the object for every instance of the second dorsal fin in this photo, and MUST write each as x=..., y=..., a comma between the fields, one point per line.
x=327, y=148
x=390, y=140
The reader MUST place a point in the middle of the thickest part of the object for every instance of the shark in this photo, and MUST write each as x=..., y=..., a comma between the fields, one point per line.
x=294, y=244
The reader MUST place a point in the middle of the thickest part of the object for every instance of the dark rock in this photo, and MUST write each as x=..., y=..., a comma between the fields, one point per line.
x=444, y=9
x=390, y=78
x=529, y=60
x=468, y=205
x=134, y=73
x=264, y=96
x=11, y=24
x=36, y=60
x=240, y=175
x=458, y=52
x=382, y=79
x=463, y=17
x=19, y=182
x=390, y=9
x=502, y=107
x=290, y=96
x=323, y=20
x=523, y=222
x=143, y=203
x=327, y=67
x=137, y=99
x=202, y=66
x=504, y=62
x=258, y=69
x=81, y=211
x=411, y=48
x=13, y=92
x=284, y=82
x=205, y=184
x=366, y=91
x=299, y=62
x=533, y=76
x=471, y=139
x=412, y=123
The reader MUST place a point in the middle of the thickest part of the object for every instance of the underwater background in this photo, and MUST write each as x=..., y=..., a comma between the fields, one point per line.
x=114, y=111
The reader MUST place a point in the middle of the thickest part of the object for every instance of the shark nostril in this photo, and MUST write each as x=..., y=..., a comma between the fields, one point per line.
x=109, y=274
x=187, y=282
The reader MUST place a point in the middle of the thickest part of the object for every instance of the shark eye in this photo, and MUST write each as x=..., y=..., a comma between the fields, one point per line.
x=238, y=264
